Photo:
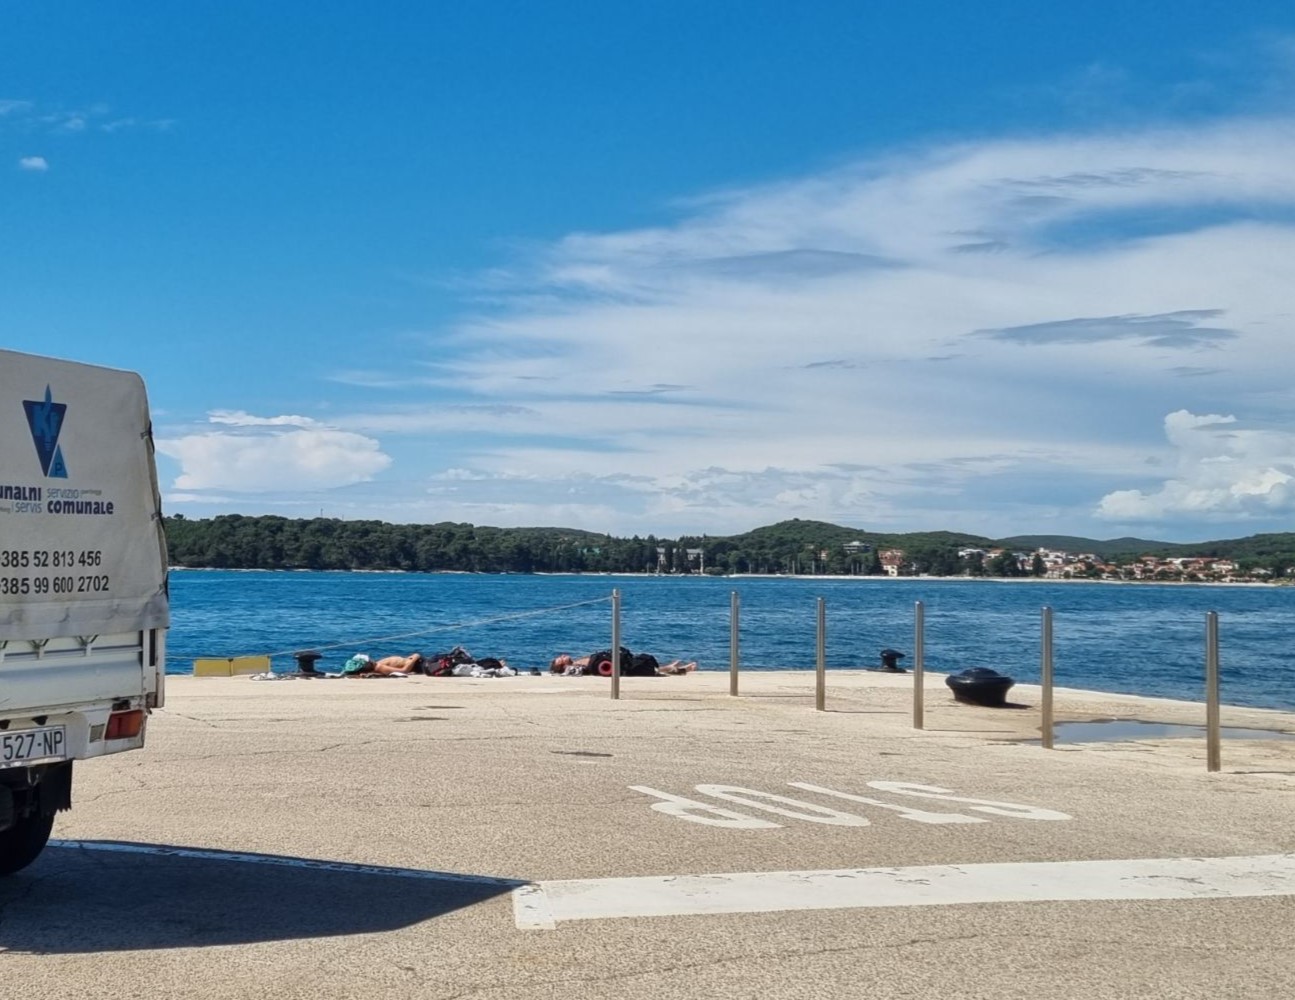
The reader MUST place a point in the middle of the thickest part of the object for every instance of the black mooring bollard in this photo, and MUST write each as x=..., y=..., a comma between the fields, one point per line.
x=890, y=660
x=306, y=660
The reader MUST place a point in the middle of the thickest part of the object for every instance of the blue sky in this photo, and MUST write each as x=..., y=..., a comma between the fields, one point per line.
x=673, y=268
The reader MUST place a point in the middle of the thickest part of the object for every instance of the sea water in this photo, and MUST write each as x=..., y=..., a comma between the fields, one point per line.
x=1141, y=638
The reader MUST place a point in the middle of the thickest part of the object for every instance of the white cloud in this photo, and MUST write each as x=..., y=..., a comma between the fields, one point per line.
x=125, y=124
x=238, y=418
x=841, y=320
x=265, y=455
x=41, y=117
x=36, y=164
x=202, y=498
x=1223, y=473
x=983, y=336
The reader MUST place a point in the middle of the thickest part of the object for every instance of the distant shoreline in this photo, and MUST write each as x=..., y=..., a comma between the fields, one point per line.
x=760, y=576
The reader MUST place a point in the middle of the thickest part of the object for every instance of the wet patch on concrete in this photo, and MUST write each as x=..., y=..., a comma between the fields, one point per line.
x=1124, y=730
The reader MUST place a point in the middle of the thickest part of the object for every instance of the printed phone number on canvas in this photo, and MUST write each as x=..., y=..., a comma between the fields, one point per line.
x=50, y=558
x=18, y=586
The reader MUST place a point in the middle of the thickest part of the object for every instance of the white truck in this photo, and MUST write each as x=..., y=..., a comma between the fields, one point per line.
x=83, y=584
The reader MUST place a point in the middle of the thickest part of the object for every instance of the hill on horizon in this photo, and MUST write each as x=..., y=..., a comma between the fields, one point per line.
x=237, y=539
x=1075, y=543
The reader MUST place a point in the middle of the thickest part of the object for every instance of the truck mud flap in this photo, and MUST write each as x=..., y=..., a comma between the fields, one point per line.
x=55, y=788
x=44, y=791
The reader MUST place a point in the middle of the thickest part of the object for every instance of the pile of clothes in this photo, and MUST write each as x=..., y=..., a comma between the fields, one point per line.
x=458, y=662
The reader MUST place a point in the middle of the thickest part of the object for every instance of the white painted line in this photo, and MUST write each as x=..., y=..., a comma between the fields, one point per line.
x=928, y=885
x=283, y=861
x=531, y=909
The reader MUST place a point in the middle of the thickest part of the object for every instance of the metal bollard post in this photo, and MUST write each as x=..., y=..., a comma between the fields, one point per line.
x=919, y=665
x=734, y=609
x=1045, y=678
x=1212, y=755
x=616, y=644
x=820, y=669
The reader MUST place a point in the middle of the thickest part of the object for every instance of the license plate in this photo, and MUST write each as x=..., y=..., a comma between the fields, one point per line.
x=27, y=746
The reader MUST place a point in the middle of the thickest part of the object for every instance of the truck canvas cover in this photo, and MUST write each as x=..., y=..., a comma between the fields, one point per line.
x=82, y=549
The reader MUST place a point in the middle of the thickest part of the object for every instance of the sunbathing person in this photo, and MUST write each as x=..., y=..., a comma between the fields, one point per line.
x=404, y=665
x=565, y=663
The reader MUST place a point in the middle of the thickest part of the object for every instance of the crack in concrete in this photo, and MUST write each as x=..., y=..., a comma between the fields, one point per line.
x=140, y=786
x=163, y=712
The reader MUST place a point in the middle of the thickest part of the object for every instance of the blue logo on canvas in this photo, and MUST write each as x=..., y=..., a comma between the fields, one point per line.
x=45, y=418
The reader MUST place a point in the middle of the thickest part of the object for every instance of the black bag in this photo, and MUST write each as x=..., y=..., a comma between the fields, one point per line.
x=443, y=664
x=644, y=665
x=489, y=663
x=605, y=656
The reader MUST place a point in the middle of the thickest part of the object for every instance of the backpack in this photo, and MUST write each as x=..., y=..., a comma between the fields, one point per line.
x=644, y=665
x=442, y=664
x=605, y=656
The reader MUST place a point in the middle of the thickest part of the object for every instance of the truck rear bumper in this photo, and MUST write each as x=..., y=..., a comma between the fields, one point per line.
x=86, y=727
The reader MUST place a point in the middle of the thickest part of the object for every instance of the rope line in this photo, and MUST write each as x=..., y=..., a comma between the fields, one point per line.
x=352, y=643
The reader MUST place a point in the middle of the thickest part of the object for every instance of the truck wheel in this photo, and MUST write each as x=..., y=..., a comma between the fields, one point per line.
x=22, y=843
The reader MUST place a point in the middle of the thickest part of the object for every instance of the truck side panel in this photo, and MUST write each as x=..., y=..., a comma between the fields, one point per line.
x=64, y=672
x=78, y=684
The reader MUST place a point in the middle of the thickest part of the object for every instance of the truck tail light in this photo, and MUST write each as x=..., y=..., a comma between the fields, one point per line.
x=125, y=725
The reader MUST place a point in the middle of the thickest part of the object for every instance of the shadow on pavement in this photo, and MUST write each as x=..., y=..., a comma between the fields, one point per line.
x=94, y=896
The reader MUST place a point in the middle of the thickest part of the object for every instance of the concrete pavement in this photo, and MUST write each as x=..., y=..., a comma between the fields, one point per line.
x=432, y=838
